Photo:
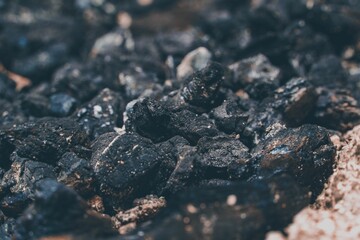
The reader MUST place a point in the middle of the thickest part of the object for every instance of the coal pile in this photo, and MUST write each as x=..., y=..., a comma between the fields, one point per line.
x=164, y=119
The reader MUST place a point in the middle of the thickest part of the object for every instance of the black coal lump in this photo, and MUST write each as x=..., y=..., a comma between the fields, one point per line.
x=231, y=115
x=296, y=100
x=193, y=126
x=58, y=210
x=306, y=153
x=102, y=114
x=258, y=120
x=19, y=183
x=46, y=139
x=154, y=120
x=184, y=173
x=11, y=112
x=62, y=105
x=149, y=118
x=239, y=211
x=336, y=109
x=202, y=87
x=36, y=105
x=253, y=73
x=130, y=74
x=328, y=72
x=172, y=149
x=221, y=157
x=76, y=173
x=124, y=166
x=306, y=47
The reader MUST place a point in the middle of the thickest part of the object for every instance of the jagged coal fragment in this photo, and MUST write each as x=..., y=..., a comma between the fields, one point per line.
x=124, y=166
x=102, y=114
x=305, y=153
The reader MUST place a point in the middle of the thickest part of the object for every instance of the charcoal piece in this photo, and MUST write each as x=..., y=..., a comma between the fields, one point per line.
x=149, y=118
x=192, y=62
x=7, y=87
x=202, y=87
x=24, y=174
x=11, y=113
x=76, y=173
x=252, y=71
x=142, y=77
x=239, y=211
x=153, y=119
x=328, y=72
x=102, y=114
x=36, y=105
x=41, y=64
x=305, y=153
x=124, y=166
x=231, y=116
x=306, y=47
x=192, y=126
x=7, y=229
x=45, y=140
x=19, y=184
x=296, y=100
x=14, y=204
x=261, y=89
x=118, y=40
x=58, y=210
x=131, y=74
x=62, y=105
x=171, y=149
x=340, y=23
x=183, y=173
x=220, y=156
x=336, y=109
x=258, y=121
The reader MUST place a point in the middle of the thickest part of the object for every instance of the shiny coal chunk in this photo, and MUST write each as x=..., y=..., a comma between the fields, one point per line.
x=253, y=72
x=149, y=118
x=36, y=105
x=193, y=126
x=76, y=173
x=172, y=149
x=305, y=153
x=59, y=210
x=152, y=119
x=231, y=115
x=220, y=156
x=62, y=105
x=202, y=87
x=336, y=109
x=184, y=173
x=328, y=72
x=296, y=100
x=19, y=183
x=46, y=139
x=124, y=166
x=102, y=114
